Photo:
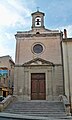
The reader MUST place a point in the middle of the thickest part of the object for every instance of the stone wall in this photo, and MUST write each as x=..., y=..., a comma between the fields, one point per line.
x=52, y=49
x=67, y=60
x=53, y=80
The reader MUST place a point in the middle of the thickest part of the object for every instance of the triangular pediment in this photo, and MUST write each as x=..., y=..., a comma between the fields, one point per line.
x=38, y=61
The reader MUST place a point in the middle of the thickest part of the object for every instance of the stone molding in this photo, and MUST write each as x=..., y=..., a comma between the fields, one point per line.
x=19, y=35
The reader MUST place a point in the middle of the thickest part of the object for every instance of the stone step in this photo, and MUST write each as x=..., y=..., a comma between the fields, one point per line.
x=35, y=111
x=37, y=108
x=42, y=115
x=39, y=114
x=37, y=105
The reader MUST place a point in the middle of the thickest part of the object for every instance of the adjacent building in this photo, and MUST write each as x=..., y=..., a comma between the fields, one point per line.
x=67, y=64
x=6, y=75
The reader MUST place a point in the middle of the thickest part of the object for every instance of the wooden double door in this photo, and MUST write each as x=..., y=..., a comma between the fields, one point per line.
x=38, y=87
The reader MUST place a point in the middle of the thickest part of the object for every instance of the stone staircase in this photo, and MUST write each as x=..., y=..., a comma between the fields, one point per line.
x=37, y=108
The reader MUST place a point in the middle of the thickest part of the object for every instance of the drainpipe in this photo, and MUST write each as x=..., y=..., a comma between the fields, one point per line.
x=62, y=64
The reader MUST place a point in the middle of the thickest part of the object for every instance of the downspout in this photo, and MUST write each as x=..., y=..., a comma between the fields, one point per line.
x=62, y=63
x=62, y=68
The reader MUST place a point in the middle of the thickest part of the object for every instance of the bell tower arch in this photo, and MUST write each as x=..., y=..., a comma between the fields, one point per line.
x=38, y=19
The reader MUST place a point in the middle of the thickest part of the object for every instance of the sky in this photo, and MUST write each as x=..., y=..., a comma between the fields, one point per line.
x=15, y=15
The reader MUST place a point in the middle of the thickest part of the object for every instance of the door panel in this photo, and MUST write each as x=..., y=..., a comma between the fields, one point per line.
x=34, y=86
x=41, y=96
x=38, y=86
x=34, y=96
x=41, y=86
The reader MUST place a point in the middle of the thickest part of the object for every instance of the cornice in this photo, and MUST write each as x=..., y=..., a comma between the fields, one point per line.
x=36, y=35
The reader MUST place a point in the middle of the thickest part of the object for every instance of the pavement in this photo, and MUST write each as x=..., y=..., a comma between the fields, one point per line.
x=8, y=116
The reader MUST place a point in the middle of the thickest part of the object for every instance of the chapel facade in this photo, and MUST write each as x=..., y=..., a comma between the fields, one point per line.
x=39, y=62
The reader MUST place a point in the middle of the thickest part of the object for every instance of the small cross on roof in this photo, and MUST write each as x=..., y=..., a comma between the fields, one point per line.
x=37, y=8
